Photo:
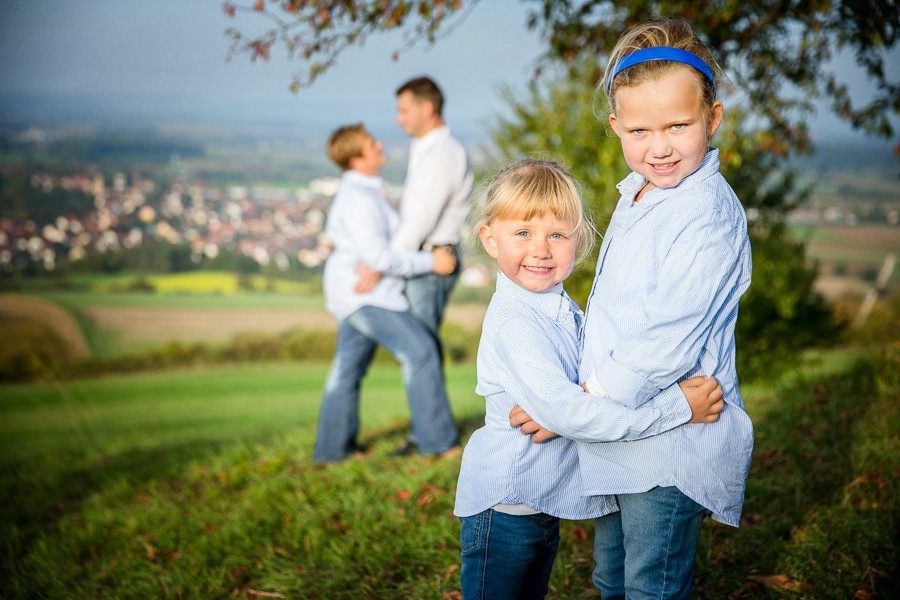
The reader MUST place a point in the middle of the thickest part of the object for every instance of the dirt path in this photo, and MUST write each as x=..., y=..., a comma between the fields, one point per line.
x=141, y=325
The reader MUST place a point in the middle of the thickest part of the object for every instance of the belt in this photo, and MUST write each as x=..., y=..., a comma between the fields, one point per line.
x=428, y=247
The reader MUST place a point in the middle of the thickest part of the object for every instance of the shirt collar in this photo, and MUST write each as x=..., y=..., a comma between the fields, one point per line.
x=632, y=184
x=551, y=303
x=361, y=179
x=432, y=138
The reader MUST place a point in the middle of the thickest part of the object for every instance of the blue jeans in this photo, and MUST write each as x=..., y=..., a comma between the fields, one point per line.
x=428, y=297
x=507, y=556
x=414, y=348
x=657, y=531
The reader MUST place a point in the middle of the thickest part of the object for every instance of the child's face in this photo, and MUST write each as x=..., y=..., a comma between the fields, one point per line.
x=371, y=159
x=664, y=127
x=536, y=254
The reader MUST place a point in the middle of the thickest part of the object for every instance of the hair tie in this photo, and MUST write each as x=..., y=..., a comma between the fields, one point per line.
x=662, y=53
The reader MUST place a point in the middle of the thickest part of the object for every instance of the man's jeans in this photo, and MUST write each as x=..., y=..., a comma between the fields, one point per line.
x=657, y=531
x=413, y=346
x=507, y=556
x=428, y=297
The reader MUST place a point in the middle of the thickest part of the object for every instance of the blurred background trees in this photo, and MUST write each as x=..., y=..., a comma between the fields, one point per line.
x=779, y=58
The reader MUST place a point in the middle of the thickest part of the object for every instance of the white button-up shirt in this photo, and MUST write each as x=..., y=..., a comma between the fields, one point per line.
x=360, y=225
x=435, y=201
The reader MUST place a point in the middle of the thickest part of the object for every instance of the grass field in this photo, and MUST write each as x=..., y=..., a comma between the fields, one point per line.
x=198, y=484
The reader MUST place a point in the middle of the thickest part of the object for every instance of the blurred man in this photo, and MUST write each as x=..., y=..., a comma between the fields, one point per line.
x=435, y=201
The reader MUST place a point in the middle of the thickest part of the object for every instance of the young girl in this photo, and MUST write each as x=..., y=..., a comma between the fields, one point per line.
x=673, y=265
x=511, y=493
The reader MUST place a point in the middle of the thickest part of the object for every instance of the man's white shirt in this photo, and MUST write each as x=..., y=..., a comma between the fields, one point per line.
x=434, y=205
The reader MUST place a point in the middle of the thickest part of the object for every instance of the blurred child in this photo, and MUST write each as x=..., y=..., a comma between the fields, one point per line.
x=360, y=224
x=673, y=265
x=512, y=493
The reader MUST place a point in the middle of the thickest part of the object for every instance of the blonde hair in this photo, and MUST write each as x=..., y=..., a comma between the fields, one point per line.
x=672, y=33
x=533, y=188
x=346, y=143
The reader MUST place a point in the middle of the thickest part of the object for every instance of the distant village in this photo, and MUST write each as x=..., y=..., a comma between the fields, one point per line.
x=271, y=226
x=278, y=229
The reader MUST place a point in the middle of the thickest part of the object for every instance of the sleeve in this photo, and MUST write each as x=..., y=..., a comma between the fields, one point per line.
x=699, y=280
x=369, y=231
x=535, y=376
x=425, y=196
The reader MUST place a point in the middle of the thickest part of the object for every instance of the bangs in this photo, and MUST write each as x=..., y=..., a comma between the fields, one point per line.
x=526, y=197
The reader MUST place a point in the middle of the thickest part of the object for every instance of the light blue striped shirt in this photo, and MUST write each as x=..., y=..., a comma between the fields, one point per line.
x=360, y=225
x=528, y=355
x=663, y=307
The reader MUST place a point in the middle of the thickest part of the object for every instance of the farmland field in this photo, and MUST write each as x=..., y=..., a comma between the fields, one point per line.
x=203, y=307
x=864, y=246
x=849, y=258
x=150, y=325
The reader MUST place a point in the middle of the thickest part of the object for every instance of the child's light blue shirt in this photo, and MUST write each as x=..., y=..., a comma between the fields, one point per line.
x=671, y=271
x=528, y=355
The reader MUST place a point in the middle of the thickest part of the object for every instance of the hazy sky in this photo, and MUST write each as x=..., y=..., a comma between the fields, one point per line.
x=130, y=59
x=169, y=56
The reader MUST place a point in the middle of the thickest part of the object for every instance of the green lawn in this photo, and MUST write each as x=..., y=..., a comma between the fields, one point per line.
x=198, y=484
x=217, y=405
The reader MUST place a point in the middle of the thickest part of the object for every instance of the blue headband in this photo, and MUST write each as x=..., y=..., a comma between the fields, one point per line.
x=662, y=53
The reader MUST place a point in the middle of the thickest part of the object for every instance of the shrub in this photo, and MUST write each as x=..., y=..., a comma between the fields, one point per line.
x=38, y=338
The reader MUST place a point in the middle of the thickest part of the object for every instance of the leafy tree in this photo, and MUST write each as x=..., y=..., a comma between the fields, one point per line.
x=777, y=52
x=20, y=199
x=317, y=31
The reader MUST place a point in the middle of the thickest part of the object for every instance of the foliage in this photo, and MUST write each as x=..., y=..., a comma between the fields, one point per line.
x=199, y=483
x=38, y=337
x=777, y=53
x=20, y=200
x=882, y=325
x=823, y=497
x=318, y=31
x=781, y=314
x=30, y=349
x=151, y=256
x=559, y=120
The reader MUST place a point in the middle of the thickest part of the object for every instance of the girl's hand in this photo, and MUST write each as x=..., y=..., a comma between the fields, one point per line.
x=528, y=426
x=704, y=396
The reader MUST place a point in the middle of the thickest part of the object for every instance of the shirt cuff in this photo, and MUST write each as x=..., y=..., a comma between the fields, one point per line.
x=674, y=407
x=622, y=384
x=423, y=262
